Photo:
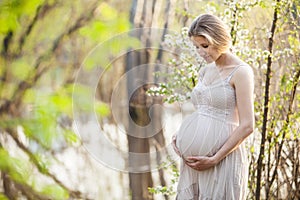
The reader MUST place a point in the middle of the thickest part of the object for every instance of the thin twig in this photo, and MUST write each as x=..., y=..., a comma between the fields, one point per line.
x=40, y=168
x=266, y=103
x=40, y=68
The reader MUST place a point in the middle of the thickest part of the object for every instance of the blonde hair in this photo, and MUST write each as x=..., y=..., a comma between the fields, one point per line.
x=213, y=29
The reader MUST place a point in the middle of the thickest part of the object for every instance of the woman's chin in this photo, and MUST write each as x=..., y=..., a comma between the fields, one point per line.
x=208, y=60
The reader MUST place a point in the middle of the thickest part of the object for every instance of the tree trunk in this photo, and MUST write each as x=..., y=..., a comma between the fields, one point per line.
x=143, y=15
x=138, y=142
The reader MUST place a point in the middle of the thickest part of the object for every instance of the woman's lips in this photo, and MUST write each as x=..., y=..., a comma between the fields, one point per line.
x=206, y=57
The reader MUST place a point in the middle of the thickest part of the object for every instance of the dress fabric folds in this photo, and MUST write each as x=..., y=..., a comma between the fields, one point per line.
x=204, y=132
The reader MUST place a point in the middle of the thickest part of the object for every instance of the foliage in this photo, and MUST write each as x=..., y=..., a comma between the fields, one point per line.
x=165, y=190
x=11, y=11
x=42, y=45
x=43, y=42
x=281, y=157
x=183, y=69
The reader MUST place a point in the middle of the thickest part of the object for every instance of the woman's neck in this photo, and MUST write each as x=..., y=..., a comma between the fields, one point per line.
x=222, y=60
x=225, y=60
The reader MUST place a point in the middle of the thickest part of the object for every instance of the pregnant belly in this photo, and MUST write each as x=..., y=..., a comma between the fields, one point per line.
x=201, y=135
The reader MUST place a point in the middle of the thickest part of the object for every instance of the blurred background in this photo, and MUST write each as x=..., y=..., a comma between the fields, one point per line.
x=61, y=63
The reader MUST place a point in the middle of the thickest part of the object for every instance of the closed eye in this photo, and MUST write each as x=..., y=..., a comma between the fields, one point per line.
x=203, y=46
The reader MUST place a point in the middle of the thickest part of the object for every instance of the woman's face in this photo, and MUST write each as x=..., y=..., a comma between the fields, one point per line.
x=207, y=51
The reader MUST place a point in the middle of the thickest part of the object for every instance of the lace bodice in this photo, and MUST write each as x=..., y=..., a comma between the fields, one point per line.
x=217, y=100
x=205, y=131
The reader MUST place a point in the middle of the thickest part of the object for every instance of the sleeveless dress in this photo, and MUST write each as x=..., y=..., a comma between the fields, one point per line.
x=203, y=133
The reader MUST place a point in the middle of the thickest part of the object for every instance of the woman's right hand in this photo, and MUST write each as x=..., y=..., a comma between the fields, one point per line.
x=174, y=145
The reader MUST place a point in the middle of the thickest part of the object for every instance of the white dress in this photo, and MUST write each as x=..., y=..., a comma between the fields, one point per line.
x=203, y=133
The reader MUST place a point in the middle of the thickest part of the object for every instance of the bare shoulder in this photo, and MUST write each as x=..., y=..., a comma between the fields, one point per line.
x=244, y=71
x=243, y=77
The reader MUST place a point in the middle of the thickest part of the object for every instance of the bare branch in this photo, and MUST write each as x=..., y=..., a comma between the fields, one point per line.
x=287, y=122
x=40, y=67
x=266, y=102
x=40, y=168
x=7, y=186
x=40, y=12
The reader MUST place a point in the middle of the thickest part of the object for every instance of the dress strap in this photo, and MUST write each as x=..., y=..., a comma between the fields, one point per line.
x=232, y=72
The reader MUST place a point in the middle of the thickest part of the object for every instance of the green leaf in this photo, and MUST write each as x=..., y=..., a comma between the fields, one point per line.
x=102, y=109
x=107, y=12
x=252, y=149
x=3, y=197
x=4, y=162
x=62, y=103
x=8, y=21
x=82, y=97
x=71, y=137
x=29, y=7
x=30, y=96
x=12, y=10
x=43, y=162
x=18, y=169
x=55, y=192
x=20, y=69
x=110, y=21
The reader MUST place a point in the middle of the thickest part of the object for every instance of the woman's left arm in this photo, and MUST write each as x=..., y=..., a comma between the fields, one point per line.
x=244, y=86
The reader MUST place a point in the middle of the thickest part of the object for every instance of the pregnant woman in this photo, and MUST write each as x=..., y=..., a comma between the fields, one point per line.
x=210, y=140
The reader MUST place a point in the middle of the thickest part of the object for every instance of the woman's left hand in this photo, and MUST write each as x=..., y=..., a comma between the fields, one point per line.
x=201, y=163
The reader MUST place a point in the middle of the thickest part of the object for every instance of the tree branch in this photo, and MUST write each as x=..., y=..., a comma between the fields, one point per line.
x=287, y=122
x=11, y=105
x=7, y=186
x=29, y=192
x=266, y=102
x=40, y=12
x=6, y=43
x=40, y=168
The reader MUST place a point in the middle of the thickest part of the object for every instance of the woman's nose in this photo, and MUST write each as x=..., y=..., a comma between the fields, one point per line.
x=201, y=52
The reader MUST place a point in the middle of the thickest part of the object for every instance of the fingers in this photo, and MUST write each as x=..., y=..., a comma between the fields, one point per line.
x=174, y=139
x=198, y=166
x=174, y=146
x=193, y=165
x=199, y=163
x=176, y=150
x=193, y=158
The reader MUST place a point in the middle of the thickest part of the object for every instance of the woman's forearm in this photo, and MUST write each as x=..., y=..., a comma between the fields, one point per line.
x=236, y=138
